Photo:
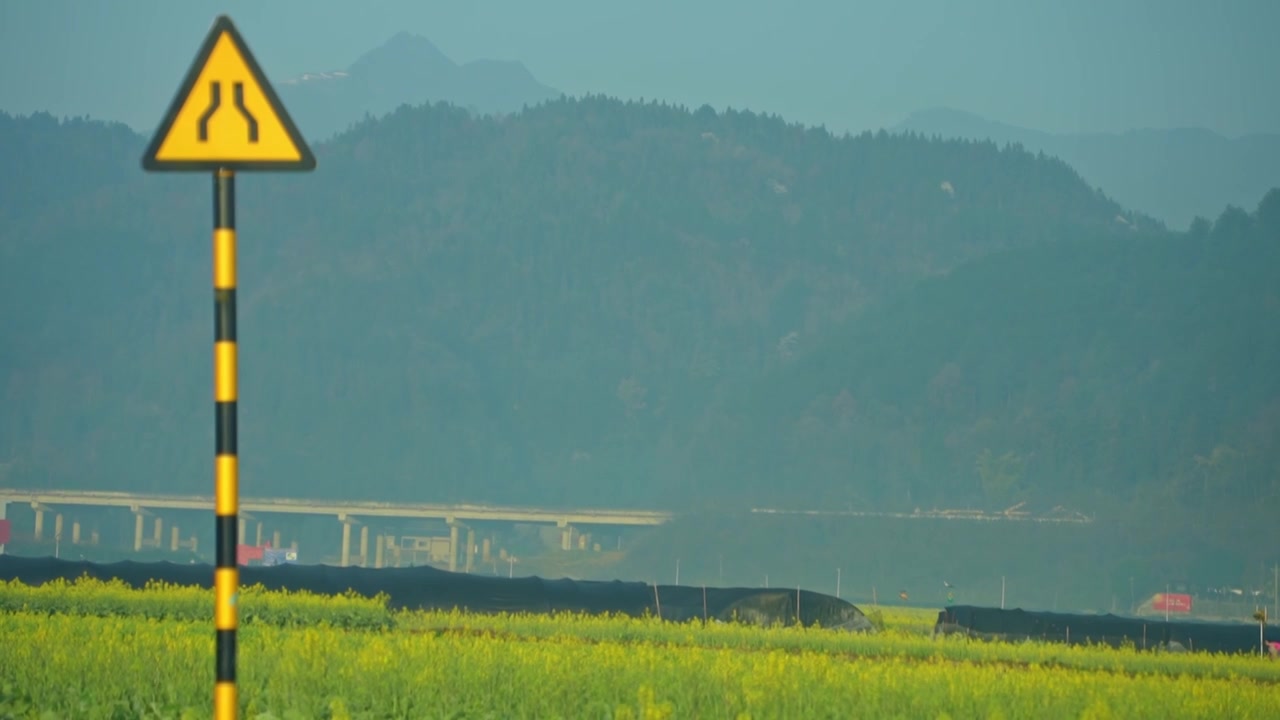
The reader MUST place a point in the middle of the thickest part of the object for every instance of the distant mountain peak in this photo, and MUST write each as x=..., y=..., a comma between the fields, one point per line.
x=950, y=122
x=405, y=41
x=408, y=69
x=1174, y=174
x=404, y=36
x=404, y=51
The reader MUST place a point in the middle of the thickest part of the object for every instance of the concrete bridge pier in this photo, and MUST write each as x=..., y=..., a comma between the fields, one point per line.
x=347, y=521
x=156, y=540
x=77, y=534
x=566, y=534
x=40, y=509
x=241, y=530
x=453, y=545
x=139, y=513
x=469, y=551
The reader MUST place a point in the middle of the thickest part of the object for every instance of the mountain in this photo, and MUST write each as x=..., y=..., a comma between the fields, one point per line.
x=1073, y=373
x=533, y=308
x=604, y=303
x=407, y=69
x=1175, y=175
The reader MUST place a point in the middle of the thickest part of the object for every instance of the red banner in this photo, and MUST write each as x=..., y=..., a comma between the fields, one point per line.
x=1171, y=602
x=4, y=531
x=245, y=553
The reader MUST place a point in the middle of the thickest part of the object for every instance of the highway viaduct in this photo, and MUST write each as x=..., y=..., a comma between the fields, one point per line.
x=346, y=512
x=444, y=550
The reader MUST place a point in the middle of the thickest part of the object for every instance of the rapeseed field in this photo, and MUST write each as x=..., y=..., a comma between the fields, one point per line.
x=101, y=650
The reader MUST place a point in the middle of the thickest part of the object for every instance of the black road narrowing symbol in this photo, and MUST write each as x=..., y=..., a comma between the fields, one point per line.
x=248, y=116
x=215, y=101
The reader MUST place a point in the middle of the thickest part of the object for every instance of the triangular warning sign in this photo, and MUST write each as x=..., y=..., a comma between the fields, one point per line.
x=226, y=115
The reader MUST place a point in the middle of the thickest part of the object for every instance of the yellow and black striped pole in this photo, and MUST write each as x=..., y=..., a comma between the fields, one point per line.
x=257, y=136
x=226, y=472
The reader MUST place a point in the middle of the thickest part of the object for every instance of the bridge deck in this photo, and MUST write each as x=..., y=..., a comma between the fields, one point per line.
x=352, y=508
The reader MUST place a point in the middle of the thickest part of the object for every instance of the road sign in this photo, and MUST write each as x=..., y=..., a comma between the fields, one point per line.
x=226, y=118
x=226, y=115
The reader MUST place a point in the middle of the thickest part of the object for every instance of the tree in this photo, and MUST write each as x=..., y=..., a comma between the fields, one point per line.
x=1218, y=470
x=1232, y=224
x=1267, y=217
x=1001, y=476
x=1200, y=228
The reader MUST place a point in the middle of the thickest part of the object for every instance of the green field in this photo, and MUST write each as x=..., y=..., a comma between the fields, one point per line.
x=94, y=650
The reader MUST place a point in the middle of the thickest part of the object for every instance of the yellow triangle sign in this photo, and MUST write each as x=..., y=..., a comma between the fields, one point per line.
x=226, y=115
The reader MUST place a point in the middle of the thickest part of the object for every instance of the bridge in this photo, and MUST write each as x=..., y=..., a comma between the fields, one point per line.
x=1058, y=514
x=348, y=512
x=456, y=516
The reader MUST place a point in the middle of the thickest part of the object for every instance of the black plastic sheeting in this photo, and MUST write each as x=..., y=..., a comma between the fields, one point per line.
x=1113, y=630
x=430, y=588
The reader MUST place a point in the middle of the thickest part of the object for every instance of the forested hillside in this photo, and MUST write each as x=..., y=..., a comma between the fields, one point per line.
x=1075, y=373
x=605, y=303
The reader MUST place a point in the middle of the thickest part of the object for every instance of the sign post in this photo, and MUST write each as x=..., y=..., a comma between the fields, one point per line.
x=224, y=119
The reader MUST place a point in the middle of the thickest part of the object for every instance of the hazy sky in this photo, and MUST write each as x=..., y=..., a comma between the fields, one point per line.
x=1062, y=65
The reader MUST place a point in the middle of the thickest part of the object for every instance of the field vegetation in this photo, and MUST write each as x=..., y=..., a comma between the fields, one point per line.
x=91, y=649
